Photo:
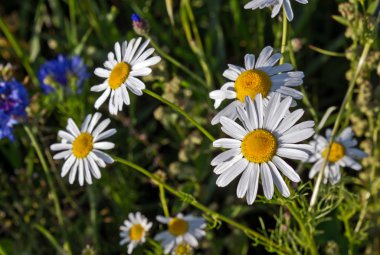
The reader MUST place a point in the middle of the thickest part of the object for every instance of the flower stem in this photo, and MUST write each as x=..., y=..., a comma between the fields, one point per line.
x=311, y=246
x=176, y=63
x=346, y=100
x=163, y=201
x=284, y=35
x=57, y=206
x=192, y=201
x=182, y=112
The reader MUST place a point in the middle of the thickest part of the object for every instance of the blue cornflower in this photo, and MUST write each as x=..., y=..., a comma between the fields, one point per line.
x=60, y=71
x=14, y=99
x=140, y=25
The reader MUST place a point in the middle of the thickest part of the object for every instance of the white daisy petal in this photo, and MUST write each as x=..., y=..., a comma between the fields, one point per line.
x=266, y=177
x=228, y=176
x=253, y=183
x=244, y=182
x=278, y=181
x=225, y=156
x=233, y=129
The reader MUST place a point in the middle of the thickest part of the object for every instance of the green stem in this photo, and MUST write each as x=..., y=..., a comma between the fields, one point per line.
x=284, y=35
x=192, y=201
x=311, y=246
x=176, y=63
x=346, y=100
x=20, y=54
x=57, y=206
x=163, y=201
x=182, y=112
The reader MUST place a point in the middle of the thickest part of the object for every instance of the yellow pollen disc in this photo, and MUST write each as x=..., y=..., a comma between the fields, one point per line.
x=337, y=152
x=177, y=227
x=183, y=249
x=136, y=232
x=259, y=146
x=119, y=75
x=82, y=145
x=252, y=82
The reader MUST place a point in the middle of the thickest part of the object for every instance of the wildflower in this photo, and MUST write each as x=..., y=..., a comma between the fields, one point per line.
x=62, y=71
x=13, y=100
x=269, y=134
x=276, y=4
x=140, y=25
x=134, y=230
x=342, y=153
x=183, y=249
x=82, y=148
x=260, y=77
x=132, y=61
x=181, y=229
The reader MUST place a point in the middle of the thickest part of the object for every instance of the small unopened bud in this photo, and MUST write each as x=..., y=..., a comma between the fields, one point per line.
x=140, y=25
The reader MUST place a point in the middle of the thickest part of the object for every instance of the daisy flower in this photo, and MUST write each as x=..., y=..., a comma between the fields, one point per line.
x=81, y=149
x=268, y=134
x=134, y=230
x=183, y=249
x=276, y=4
x=181, y=229
x=257, y=77
x=342, y=153
x=132, y=61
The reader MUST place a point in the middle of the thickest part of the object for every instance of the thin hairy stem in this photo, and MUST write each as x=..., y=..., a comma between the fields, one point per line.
x=284, y=35
x=346, y=100
x=182, y=112
x=176, y=63
x=163, y=201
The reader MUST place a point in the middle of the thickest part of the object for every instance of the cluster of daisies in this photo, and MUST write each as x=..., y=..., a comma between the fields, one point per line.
x=263, y=130
x=261, y=121
x=181, y=237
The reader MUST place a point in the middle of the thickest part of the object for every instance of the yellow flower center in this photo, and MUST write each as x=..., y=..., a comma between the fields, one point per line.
x=82, y=145
x=259, y=146
x=337, y=152
x=177, y=227
x=136, y=232
x=183, y=249
x=119, y=75
x=252, y=82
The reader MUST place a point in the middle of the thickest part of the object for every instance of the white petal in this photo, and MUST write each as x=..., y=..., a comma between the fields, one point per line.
x=292, y=154
x=286, y=169
x=244, y=182
x=81, y=172
x=72, y=127
x=227, y=143
x=73, y=172
x=253, y=183
x=60, y=146
x=249, y=60
x=67, y=165
x=104, y=145
x=85, y=123
x=94, y=121
x=231, y=75
x=100, y=128
x=101, y=72
x=264, y=55
x=267, y=181
x=296, y=136
x=228, y=176
x=102, y=98
x=351, y=163
x=104, y=156
x=233, y=129
x=65, y=135
x=62, y=154
x=118, y=51
x=224, y=156
x=288, y=10
x=290, y=120
x=278, y=181
x=100, y=87
x=105, y=134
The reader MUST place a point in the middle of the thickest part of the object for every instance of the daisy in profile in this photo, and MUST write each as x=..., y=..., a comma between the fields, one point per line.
x=260, y=76
x=134, y=230
x=342, y=154
x=121, y=71
x=276, y=4
x=181, y=229
x=269, y=134
x=81, y=148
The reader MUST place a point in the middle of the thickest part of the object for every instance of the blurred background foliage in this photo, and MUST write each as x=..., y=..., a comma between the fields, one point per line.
x=202, y=35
